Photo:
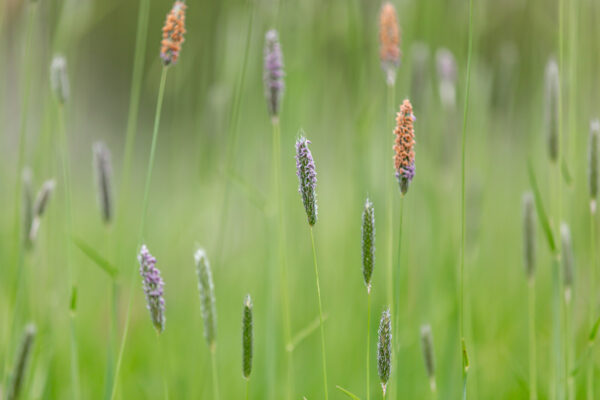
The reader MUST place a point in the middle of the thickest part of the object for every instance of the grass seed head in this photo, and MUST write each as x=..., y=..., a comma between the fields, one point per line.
x=552, y=84
x=384, y=349
x=368, y=242
x=20, y=368
x=207, y=297
x=103, y=170
x=39, y=207
x=273, y=73
x=428, y=354
x=404, y=153
x=307, y=178
x=59, y=79
x=172, y=34
x=389, y=42
x=567, y=259
x=447, y=74
x=247, y=337
x=529, y=234
x=153, y=288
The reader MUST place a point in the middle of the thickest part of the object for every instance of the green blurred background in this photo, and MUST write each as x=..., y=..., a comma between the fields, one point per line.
x=336, y=92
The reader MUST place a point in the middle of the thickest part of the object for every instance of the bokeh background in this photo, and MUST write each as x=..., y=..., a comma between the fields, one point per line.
x=336, y=93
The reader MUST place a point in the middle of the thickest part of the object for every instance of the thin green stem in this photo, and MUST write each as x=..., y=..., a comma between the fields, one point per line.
x=23, y=132
x=397, y=291
x=312, y=239
x=215, y=377
x=368, y=359
x=282, y=251
x=463, y=201
x=233, y=135
x=592, y=308
x=161, y=92
x=532, y=342
x=114, y=321
x=134, y=95
x=567, y=345
x=66, y=172
x=390, y=206
x=247, y=388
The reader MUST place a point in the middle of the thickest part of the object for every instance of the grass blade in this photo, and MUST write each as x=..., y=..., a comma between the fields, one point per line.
x=347, y=393
x=539, y=206
x=100, y=261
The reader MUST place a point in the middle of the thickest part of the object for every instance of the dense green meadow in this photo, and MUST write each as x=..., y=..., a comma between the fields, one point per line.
x=214, y=186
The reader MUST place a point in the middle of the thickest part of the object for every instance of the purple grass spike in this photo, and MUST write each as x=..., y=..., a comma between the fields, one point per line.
x=273, y=73
x=307, y=178
x=153, y=288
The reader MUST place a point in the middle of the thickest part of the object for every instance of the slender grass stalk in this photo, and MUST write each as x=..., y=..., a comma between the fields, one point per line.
x=215, y=377
x=465, y=363
x=592, y=308
x=532, y=341
x=233, y=134
x=323, y=357
x=26, y=83
x=282, y=251
x=368, y=360
x=161, y=92
x=389, y=199
x=247, y=388
x=134, y=94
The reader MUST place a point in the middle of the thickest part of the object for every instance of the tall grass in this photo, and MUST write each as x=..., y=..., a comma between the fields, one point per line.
x=461, y=276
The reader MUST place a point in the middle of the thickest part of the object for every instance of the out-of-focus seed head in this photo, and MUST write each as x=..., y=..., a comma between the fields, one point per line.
x=552, y=94
x=103, y=170
x=389, y=41
x=404, y=153
x=153, y=288
x=593, y=163
x=19, y=372
x=420, y=73
x=307, y=178
x=172, y=34
x=59, y=79
x=368, y=242
x=273, y=73
x=567, y=259
x=428, y=354
x=447, y=73
x=247, y=337
x=529, y=234
x=39, y=207
x=207, y=297
x=384, y=349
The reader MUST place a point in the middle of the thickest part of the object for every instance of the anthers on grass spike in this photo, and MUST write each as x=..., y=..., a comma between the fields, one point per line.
x=153, y=288
x=307, y=178
x=404, y=154
x=172, y=34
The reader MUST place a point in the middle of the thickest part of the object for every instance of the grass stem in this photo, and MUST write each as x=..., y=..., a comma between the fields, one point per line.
x=215, y=376
x=532, y=341
x=282, y=250
x=462, y=204
x=312, y=239
x=161, y=91
x=368, y=359
x=592, y=300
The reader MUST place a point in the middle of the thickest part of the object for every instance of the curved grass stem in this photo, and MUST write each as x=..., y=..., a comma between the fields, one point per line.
x=323, y=356
x=161, y=92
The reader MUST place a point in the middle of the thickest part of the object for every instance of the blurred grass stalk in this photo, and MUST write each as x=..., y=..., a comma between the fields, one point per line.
x=281, y=240
x=592, y=305
x=71, y=288
x=323, y=356
x=159, y=102
x=465, y=360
